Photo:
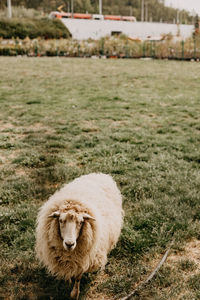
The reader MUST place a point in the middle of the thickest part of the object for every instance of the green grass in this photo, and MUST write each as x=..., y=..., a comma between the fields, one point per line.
x=21, y=28
x=137, y=120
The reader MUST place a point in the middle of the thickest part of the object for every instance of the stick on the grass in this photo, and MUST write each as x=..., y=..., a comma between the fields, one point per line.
x=138, y=287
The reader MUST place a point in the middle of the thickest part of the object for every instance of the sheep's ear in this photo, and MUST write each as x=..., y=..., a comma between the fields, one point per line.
x=88, y=217
x=55, y=214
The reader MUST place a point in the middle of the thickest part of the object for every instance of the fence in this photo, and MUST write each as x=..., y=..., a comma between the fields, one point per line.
x=113, y=47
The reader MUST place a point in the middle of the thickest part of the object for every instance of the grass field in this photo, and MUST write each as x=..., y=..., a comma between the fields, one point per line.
x=137, y=120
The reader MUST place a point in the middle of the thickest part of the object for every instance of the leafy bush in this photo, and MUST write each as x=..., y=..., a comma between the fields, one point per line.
x=32, y=28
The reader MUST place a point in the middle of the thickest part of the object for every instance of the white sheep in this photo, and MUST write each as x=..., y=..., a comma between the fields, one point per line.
x=78, y=226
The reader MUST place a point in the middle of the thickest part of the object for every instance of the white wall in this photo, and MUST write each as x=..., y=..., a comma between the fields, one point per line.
x=95, y=29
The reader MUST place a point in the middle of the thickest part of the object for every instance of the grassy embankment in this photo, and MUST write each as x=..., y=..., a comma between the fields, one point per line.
x=138, y=121
x=33, y=28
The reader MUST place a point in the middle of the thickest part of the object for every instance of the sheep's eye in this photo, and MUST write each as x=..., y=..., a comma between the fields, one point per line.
x=79, y=222
x=60, y=221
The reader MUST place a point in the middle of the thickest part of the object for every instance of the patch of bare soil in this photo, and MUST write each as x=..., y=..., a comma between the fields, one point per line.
x=20, y=172
x=35, y=127
x=117, y=124
x=89, y=126
x=5, y=125
x=2, y=157
x=191, y=252
x=39, y=126
x=6, y=158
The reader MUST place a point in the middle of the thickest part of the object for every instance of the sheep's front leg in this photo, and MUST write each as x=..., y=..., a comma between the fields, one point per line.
x=76, y=289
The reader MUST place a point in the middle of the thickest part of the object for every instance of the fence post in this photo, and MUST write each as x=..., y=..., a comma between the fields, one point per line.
x=56, y=48
x=16, y=47
x=144, y=49
x=154, y=49
x=195, y=48
x=182, y=43
x=151, y=49
x=126, y=50
x=101, y=52
x=36, y=48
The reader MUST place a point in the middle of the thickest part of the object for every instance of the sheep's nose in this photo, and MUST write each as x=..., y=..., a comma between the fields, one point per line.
x=69, y=245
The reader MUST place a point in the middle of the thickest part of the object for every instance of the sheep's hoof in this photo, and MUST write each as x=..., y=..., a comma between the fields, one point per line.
x=75, y=294
x=70, y=282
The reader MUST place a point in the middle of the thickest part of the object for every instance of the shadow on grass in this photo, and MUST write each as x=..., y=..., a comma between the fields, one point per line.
x=46, y=287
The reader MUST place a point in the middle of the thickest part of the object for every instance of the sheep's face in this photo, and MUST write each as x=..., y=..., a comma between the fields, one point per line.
x=70, y=224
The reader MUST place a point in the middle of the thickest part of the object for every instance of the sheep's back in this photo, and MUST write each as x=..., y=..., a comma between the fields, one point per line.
x=100, y=192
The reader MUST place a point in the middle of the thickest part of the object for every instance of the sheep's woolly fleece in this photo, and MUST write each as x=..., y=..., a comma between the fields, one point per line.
x=96, y=195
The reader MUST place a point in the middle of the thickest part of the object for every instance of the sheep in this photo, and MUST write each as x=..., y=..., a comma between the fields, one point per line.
x=78, y=226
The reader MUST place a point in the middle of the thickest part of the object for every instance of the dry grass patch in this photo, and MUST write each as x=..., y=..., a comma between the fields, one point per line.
x=93, y=293
x=89, y=126
x=119, y=124
x=38, y=127
x=190, y=251
x=5, y=125
x=176, y=276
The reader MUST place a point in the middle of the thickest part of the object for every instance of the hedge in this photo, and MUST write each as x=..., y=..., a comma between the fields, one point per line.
x=114, y=47
x=33, y=28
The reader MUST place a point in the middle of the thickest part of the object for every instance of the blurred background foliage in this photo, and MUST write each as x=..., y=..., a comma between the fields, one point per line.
x=157, y=11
